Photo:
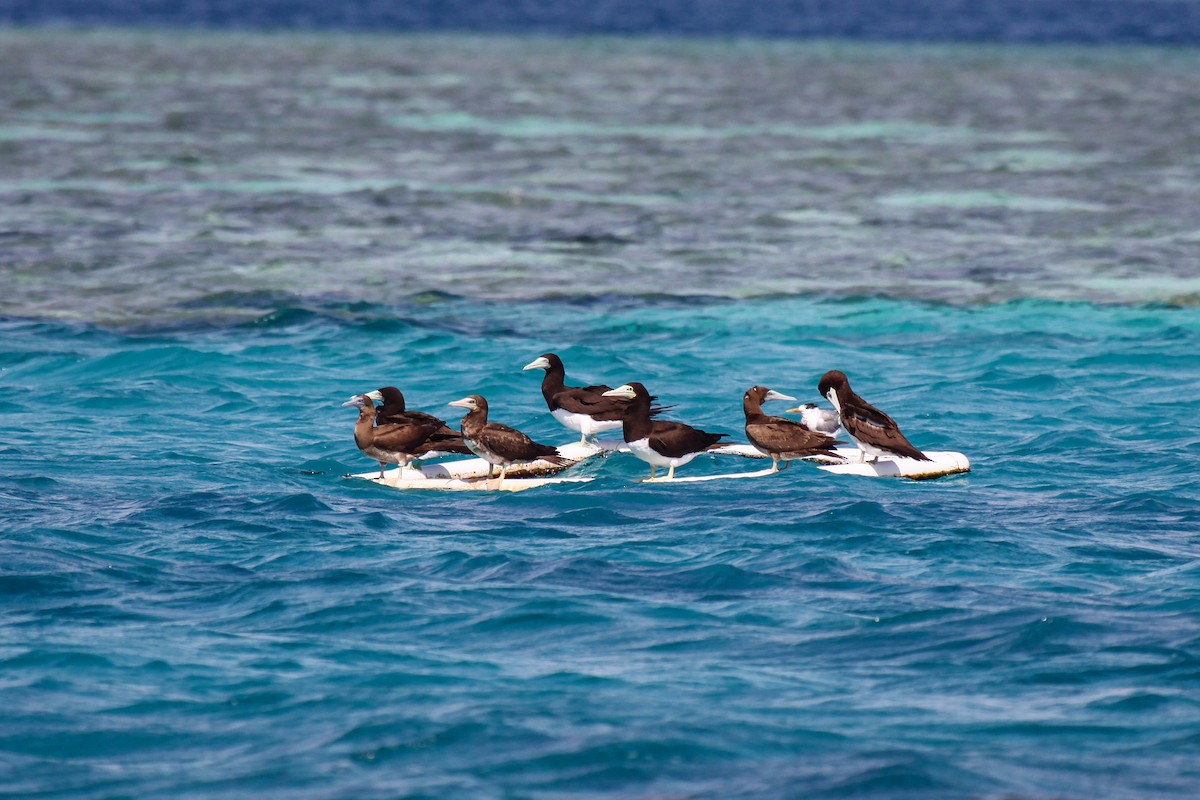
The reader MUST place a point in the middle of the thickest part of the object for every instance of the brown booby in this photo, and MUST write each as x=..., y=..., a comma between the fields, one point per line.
x=391, y=443
x=393, y=410
x=781, y=439
x=660, y=443
x=497, y=444
x=875, y=433
x=585, y=409
x=391, y=401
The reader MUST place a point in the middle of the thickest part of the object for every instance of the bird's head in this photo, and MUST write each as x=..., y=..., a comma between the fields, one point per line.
x=471, y=402
x=626, y=391
x=834, y=385
x=545, y=361
x=761, y=394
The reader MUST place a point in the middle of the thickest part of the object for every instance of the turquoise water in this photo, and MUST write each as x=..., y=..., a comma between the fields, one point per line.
x=202, y=262
x=199, y=604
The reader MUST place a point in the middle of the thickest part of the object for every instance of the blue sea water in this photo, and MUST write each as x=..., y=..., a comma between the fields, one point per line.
x=1107, y=21
x=210, y=241
x=199, y=604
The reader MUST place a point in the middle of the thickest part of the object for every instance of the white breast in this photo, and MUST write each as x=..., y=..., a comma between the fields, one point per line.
x=583, y=423
x=642, y=449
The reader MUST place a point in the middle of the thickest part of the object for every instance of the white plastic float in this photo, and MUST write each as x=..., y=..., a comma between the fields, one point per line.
x=942, y=463
x=761, y=473
x=470, y=474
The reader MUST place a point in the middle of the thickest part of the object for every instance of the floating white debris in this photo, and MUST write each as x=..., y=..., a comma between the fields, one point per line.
x=470, y=474
x=942, y=463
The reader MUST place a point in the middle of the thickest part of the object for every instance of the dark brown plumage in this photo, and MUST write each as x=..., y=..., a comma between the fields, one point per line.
x=873, y=431
x=393, y=410
x=390, y=443
x=585, y=409
x=391, y=401
x=497, y=444
x=658, y=442
x=780, y=438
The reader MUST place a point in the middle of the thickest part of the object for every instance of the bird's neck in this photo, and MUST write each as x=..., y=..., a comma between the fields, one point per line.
x=553, y=382
x=637, y=423
x=364, y=428
x=474, y=422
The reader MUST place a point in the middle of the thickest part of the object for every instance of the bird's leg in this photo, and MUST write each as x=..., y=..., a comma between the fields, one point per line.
x=653, y=469
x=503, y=472
x=671, y=473
x=774, y=463
x=862, y=456
x=382, y=464
x=582, y=437
x=785, y=464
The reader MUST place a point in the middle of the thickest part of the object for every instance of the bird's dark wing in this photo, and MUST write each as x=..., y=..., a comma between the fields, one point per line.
x=444, y=440
x=402, y=437
x=590, y=400
x=780, y=435
x=868, y=424
x=675, y=439
x=407, y=417
x=511, y=443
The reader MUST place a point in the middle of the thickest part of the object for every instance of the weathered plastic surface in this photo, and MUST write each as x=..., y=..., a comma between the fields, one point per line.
x=470, y=474
x=762, y=473
x=944, y=462
x=510, y=484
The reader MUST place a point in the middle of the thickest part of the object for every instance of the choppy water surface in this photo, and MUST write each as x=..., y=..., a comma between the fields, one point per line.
x=210, y=241
x=374, y=168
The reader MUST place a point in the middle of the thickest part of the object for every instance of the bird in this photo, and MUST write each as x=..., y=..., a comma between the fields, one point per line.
x=393, y=410
x=660, y=443
x=875, y=433
x=584, y=409
x=392, y=442
x=818, y=419
x=781, y=439
x=500, y=445
x=391, y=401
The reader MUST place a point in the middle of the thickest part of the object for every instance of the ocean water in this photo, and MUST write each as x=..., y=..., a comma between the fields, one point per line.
x=209, y=241
x=1106, y=21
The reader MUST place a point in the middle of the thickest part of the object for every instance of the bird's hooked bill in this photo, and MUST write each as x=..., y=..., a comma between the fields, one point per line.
x=625, y=391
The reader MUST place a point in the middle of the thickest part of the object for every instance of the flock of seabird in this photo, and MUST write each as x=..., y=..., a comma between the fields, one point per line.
x=391, y=434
